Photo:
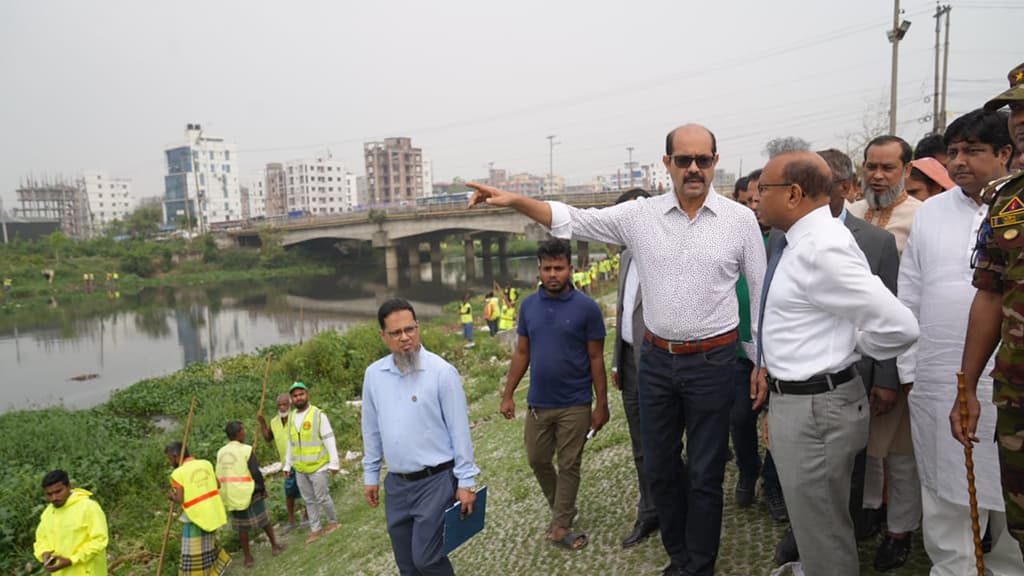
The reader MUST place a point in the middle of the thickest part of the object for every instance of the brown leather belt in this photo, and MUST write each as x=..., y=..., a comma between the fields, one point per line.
x=694, y=346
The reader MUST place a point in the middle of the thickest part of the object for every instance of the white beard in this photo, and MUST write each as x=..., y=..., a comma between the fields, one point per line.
x=407, y=362
x=880, y=201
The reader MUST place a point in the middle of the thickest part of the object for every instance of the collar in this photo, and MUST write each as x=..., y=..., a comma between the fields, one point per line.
x=842, y=215
x=963, y=197
x=564, y=297
x=668, y=201
x=807, y=223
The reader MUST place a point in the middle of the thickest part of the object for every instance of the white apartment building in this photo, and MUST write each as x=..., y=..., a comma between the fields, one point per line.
x=202, y=180
x=651, y=177
x=428, y=177
x=254, y=199
x=319, y=186
x=109, y=198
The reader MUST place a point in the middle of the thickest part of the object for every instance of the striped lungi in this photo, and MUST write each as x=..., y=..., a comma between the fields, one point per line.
x=253, y=518
x=201, y=554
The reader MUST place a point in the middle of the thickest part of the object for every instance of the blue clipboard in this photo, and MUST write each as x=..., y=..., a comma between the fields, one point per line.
x=457, y=531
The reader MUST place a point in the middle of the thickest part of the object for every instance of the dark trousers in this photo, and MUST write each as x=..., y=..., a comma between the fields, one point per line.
x=743, y=423
x=492, y=327
x=689, y=393
x=646, y=513
x=415, y=516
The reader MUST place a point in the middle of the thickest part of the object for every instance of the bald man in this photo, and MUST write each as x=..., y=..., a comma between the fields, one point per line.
x=278, y=432
x=690, y=248
x=822, y=308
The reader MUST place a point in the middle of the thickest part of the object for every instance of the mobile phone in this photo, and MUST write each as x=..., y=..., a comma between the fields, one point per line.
x=589, y=435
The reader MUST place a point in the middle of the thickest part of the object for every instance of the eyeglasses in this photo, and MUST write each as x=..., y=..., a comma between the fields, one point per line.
x=703, y=162
x=762, y=187
x=408, y=331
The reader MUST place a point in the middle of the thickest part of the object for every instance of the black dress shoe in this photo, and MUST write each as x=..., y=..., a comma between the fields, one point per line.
x=745, y=492
x=786, y=550
x=673, y=570
x=641, y=531
x=892, y=553
x=868, y=523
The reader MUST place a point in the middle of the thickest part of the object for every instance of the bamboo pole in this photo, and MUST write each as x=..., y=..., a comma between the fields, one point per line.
x=263, y=398
x=170, y=512
x=961, y=396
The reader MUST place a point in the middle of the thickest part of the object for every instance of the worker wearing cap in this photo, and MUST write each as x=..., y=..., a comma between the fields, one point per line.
x=997, y=318
x=312, y=456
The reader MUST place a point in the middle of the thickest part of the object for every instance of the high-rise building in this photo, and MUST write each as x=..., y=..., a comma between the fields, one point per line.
x=428, y=177
x=394, y=171
x=651, y=177
x=109, y=198
x=202, y=180
x=319, y=186
x=254, y=200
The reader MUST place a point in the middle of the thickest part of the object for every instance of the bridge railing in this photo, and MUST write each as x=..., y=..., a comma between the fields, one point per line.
x=585, y=200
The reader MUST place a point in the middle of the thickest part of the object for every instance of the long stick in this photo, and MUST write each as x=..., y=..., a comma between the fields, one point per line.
x=961, y=397
x=170, y=512
x=263, y=397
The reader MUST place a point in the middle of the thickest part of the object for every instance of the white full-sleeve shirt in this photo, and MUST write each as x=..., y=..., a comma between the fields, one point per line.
x=825, y=308
x=687, y=268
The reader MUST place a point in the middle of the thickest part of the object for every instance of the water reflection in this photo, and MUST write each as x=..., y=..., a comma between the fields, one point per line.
x=110, y=343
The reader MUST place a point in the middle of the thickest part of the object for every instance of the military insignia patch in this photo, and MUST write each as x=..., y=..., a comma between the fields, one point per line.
x=1004, y=220
x=1011, y=234
x=1014, y=205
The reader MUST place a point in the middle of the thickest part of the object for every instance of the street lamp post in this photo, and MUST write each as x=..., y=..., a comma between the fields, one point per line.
x=630, y=165
x=899, y=30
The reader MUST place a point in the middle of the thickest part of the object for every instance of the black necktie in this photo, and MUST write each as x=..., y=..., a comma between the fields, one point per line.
x=773, y=263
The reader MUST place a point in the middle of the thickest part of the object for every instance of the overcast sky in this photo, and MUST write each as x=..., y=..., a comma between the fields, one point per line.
x=109, y=85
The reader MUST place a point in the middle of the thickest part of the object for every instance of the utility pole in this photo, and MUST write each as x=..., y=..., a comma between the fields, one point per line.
x=630, y=165
x=551, y=162
x=938, y=120
x=3, y=219
x=899, y=30
x=945, y=70
x=195, y=178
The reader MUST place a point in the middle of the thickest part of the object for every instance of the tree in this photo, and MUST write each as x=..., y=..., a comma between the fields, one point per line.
x=143, y=222
x=458, y=185
x=874, y=123
x=777, y=146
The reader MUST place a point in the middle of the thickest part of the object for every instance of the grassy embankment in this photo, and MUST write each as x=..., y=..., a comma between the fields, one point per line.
x=114, y=450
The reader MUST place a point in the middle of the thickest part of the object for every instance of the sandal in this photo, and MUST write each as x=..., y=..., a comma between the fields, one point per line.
x=572, y=541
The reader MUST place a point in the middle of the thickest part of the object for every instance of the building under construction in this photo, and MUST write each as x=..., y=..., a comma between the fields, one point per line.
x=57, y=199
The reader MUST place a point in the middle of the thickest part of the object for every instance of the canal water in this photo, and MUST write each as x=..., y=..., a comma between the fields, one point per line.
x=76, y=355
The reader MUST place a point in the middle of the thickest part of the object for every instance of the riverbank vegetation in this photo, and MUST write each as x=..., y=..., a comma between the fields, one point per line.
x=115, y=450
x=58, y=268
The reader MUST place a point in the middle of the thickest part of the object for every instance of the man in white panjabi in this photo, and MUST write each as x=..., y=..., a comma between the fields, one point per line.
x=935, y=283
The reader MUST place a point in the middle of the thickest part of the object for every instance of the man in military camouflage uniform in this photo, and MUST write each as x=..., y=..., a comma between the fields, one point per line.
x=997, y=313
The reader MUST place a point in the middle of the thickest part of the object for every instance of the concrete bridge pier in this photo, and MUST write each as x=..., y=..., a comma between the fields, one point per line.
x=391, y=265
x=485, y=244
x=583, y=253
x=435, y=261
x=470, y=258
x=414, y=263
x=503, y=255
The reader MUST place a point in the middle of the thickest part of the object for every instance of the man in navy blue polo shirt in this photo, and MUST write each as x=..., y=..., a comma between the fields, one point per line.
x=561, y=340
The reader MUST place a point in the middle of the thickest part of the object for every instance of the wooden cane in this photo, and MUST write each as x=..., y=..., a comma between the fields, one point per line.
x=170, y=512
x=263, y=397
x=961, y=396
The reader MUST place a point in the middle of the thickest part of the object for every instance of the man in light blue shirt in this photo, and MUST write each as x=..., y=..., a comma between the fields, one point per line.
x=415, y=417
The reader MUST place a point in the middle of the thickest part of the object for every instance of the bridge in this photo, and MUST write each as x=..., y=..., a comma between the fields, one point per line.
x=401, y=231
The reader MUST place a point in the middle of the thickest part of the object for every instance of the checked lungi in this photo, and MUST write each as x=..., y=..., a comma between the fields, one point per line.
x=201, y=554
x=252, y=519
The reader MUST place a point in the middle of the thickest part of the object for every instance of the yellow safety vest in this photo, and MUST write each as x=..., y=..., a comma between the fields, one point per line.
x=513, y=295
x=508, y=317
x=236, y=485
x=492, y=309
x=309, y=453
x=280, y=432
x=201, y=499
x=466, y=313
x=585, y=278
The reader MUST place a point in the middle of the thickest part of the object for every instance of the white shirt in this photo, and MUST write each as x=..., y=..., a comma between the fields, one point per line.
x=825, y=307
x=326, y=433
x=935, y=283
x=630, y=290
x=687, y=268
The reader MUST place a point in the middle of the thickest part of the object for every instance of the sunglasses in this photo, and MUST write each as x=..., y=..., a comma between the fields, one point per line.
x=703, y=162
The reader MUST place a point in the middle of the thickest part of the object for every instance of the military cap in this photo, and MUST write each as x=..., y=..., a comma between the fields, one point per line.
x=1014, y=94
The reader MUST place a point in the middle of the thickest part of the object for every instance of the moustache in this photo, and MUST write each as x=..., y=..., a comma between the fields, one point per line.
x=697, y=178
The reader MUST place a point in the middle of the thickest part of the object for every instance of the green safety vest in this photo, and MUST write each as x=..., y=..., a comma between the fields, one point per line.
x=466, y=313
x=280, y=431
x=201, y=499
x=236, y=485
x=508, y=317
x=309, y=453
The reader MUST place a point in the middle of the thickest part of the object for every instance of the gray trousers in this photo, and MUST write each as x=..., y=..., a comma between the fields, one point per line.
x=415, y=516
x=315, y=491
x=646, y=513
x=814, y=441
